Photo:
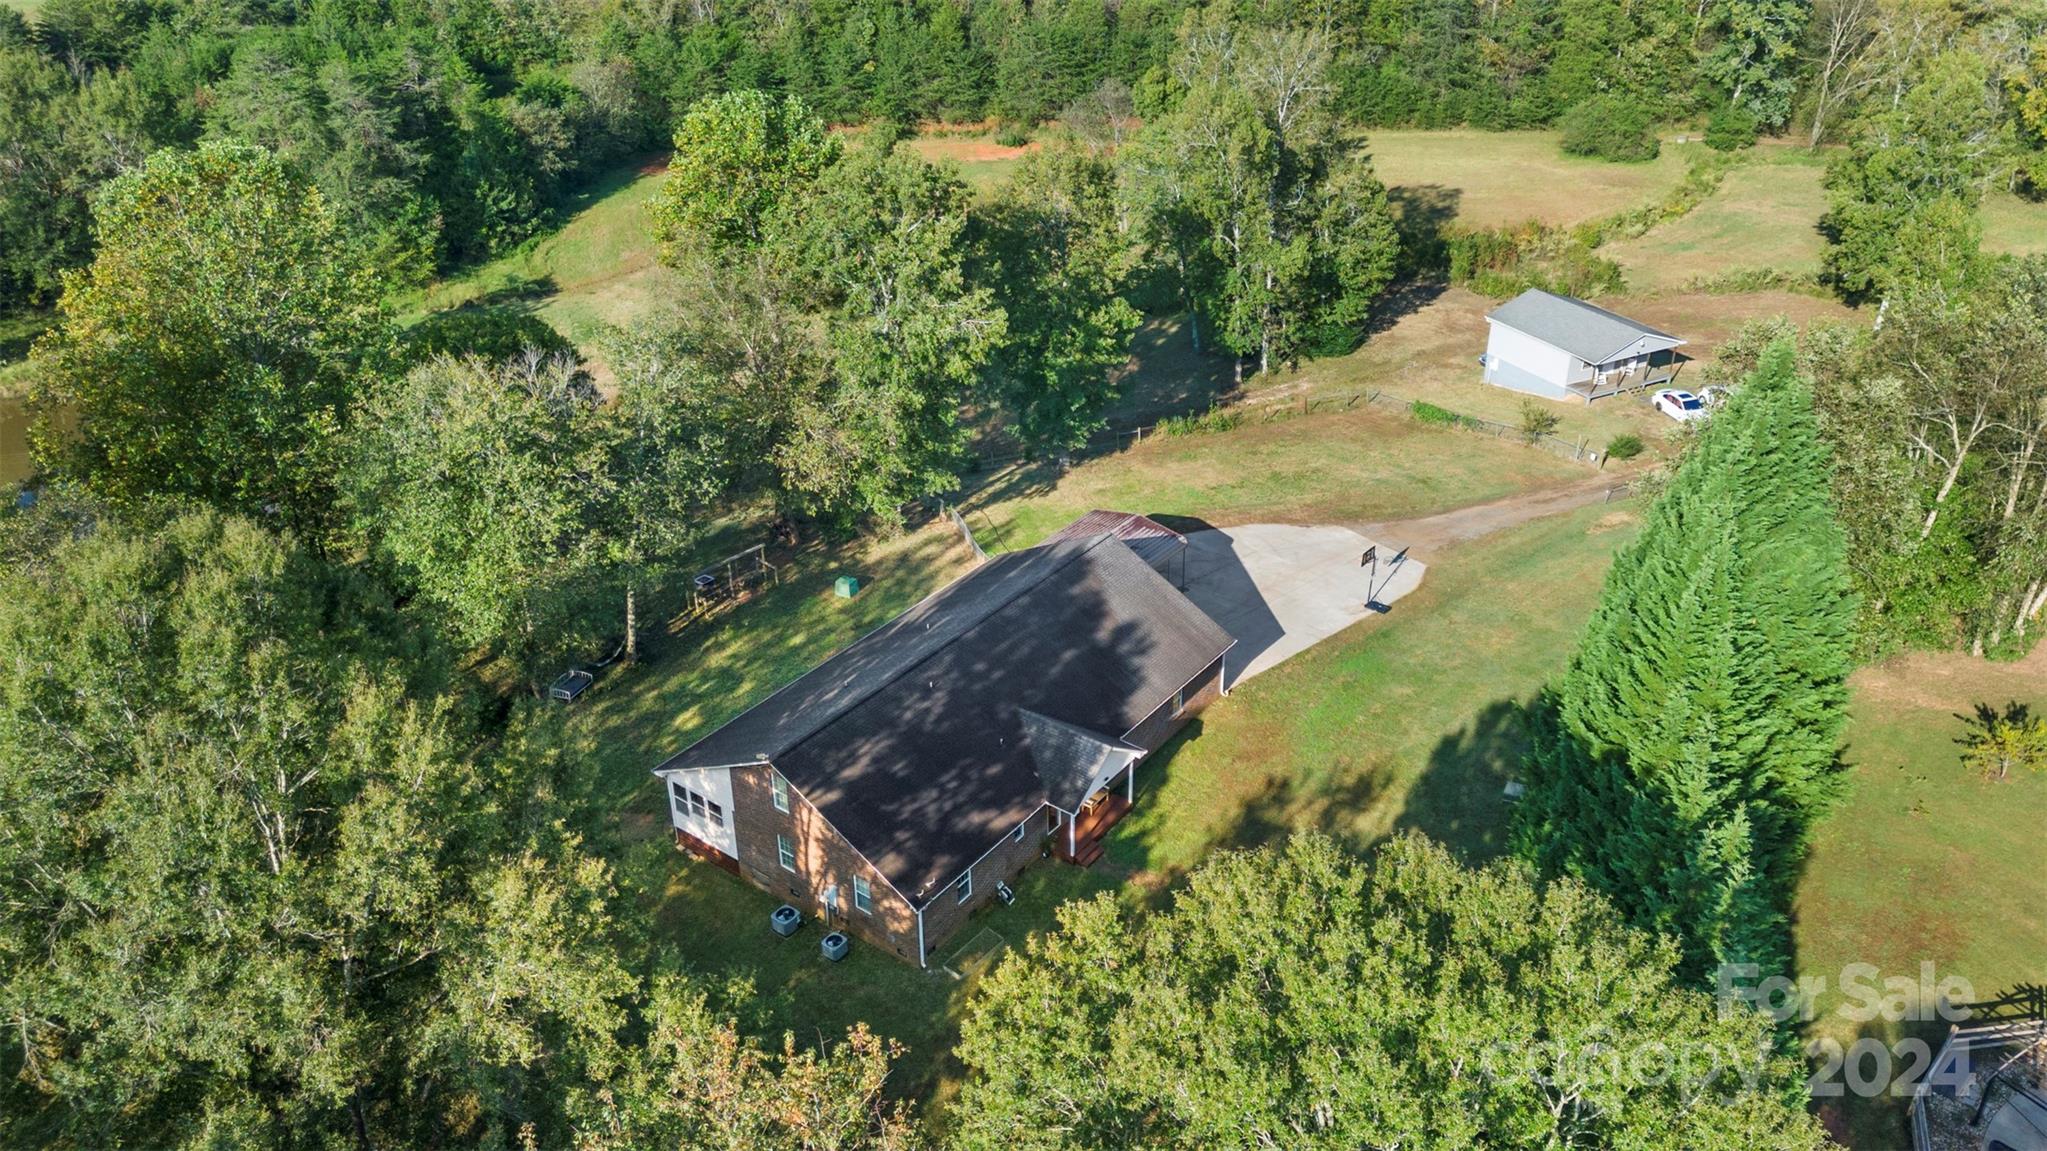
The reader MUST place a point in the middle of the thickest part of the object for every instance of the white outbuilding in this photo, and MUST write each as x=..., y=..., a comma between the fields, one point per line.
x=1554, y=346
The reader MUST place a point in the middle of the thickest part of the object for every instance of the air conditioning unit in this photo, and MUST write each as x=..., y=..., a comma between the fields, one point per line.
x=785, y=920
x=835, y=946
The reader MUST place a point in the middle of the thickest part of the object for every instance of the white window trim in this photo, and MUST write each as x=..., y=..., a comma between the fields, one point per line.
x=965, y=887
x=785, y=853
x=863, y=896
x=778, y=791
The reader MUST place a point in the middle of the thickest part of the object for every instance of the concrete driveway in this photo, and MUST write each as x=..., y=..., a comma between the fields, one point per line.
x=1280, y=589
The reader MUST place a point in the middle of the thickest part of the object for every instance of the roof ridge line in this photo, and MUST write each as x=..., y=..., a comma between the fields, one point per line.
x=870, y=693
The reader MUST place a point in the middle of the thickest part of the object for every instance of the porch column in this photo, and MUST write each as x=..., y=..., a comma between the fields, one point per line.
x=1130, y=783
x=1070, y=821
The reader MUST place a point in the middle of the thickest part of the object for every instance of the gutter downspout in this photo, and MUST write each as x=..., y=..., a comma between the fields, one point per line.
x=921, y=960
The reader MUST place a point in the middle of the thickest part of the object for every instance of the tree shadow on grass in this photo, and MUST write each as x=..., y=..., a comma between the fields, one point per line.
x=1151, y=845
x=1460, y=799
x=1422, y=216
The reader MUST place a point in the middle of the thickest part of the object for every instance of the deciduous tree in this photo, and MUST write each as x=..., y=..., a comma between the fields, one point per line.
x=213, y=347
x=1051, y=246
x=258, y=882
x=1298, y=997
x=480, y=484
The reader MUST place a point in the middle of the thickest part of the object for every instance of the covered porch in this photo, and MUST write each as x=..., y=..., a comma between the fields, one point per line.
x=1639, y=374
x=1079, y=838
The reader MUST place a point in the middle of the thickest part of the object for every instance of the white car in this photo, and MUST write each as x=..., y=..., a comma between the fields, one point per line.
x=1683, y=407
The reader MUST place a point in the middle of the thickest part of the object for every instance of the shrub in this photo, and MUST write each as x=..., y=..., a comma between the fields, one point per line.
x=1199, y=423
x=1610, y=128
x=1624, y=447
x=1730, y=129
x=1429, y=413
x=1013, y=135
x=1537, y=420
x=1502, y=262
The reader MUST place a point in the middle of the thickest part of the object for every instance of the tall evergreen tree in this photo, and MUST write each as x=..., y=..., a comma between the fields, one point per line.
x=1692, y=745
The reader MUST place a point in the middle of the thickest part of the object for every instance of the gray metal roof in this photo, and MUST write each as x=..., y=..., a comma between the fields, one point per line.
x=1587, y=331
x=1154, y=542
x=913, y=742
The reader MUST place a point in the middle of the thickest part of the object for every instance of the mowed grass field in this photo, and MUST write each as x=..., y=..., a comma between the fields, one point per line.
x=1365, y=465
x=597, y=269
x=2014, y=225
x=600, y=267
x=1487, y=179
x=984, y=164
x=1430, y=352
x=1765, y=215
x=1925, y=862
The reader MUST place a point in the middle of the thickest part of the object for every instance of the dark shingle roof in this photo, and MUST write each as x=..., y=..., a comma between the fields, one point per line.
x=1070, y=759
x=912, y=741
x=1587, y=331
x=1153, y=541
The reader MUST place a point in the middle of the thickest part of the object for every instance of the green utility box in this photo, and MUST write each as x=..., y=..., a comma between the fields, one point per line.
x=846, y=586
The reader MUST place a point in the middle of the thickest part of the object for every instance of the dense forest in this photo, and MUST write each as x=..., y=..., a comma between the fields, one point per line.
x=444, y=130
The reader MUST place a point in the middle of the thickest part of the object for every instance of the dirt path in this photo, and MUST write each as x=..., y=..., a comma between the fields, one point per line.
x=1424, y=536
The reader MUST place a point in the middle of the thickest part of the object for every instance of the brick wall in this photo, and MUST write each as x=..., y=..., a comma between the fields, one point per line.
x=1159, y=726
x=944, y=914
x=823, y=859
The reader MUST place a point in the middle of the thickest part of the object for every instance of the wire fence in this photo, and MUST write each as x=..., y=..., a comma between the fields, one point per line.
x=959, y=522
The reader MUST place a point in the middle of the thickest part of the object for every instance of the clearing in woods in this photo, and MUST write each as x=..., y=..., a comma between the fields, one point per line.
x=1489, y=179
x=1764, y=217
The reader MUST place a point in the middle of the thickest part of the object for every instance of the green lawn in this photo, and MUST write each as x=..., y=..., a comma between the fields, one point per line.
x=1765, y=215
x=600, y=269
x=1360, y=466
x=1924, y=862
x=982, y=163
x=25, y=7
x=597, y=269
x=2013, y=225
x=1486, y=179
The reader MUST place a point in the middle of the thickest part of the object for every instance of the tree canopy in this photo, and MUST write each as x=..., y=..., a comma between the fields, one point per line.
x=259, y=886
x=214, y=345
x=1297, y=996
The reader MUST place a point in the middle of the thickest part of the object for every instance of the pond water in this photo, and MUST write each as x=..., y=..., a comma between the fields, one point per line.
x=14, y=421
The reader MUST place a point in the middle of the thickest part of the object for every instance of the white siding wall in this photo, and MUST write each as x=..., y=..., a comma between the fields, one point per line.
x=715, y=785
x=1551, y=365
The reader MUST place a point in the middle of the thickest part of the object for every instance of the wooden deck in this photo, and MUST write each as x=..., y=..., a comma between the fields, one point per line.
x=1615, y=385
x=1090, y=830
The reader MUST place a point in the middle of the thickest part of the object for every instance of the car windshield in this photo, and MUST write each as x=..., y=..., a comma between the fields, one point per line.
x=1689, y=403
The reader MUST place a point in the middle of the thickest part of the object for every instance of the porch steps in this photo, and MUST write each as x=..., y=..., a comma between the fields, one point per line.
x=1087, y=855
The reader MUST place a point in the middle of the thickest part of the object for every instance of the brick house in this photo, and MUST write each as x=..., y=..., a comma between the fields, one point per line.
x=893, y=788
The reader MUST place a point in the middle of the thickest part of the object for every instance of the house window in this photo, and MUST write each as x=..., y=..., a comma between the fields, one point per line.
x=690, y=803
x=786, y=852
x=966, y=887
x=1020, y=830
x=780, y=788
x=1179, y=702
x=863, y=898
